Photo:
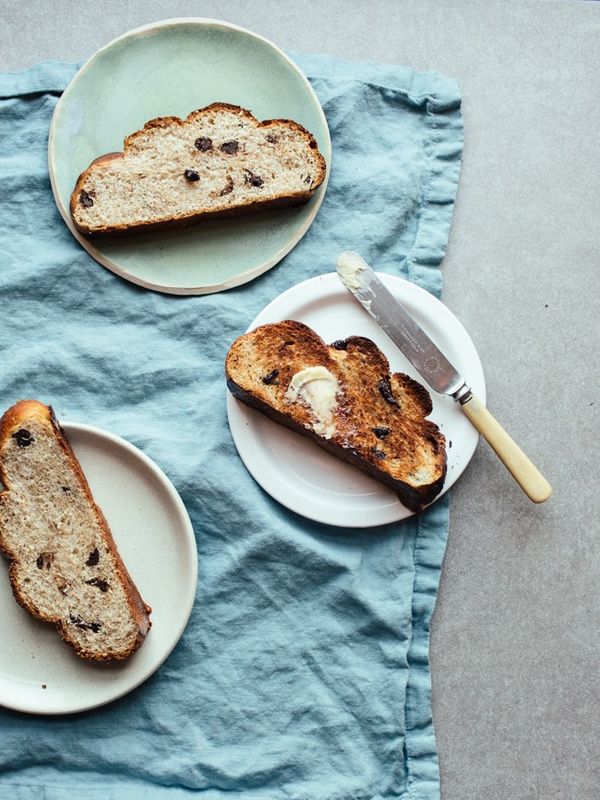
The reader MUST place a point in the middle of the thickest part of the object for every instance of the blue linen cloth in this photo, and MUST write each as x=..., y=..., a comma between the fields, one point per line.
x=303, y=673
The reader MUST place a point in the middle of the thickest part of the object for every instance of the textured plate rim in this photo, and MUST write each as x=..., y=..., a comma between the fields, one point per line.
x=237, y=412
x=187, y=601
x=237, y=280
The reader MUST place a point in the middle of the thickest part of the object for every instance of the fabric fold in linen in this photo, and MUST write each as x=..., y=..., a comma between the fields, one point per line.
x=303, y=673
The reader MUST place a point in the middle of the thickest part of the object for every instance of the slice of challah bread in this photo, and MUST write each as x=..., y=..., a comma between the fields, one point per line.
x=344, y=398
x=220, y=160
x=64, y=565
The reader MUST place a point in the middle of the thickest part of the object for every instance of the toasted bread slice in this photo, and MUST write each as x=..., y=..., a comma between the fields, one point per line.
x=219, y=161
x=344, y=398
x=64, y=565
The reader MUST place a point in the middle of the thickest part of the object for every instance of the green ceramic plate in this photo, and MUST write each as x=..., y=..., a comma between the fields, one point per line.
x=171, y=68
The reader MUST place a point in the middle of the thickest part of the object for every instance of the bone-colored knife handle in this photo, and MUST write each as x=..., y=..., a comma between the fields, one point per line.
x=526, y=474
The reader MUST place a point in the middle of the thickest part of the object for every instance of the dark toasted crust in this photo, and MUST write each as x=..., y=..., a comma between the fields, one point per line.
x=290, y=346
x=413, y=499
x=292, y=199
x=10, y=422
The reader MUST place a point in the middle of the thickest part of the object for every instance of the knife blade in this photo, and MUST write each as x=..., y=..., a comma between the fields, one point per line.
x=433, y=366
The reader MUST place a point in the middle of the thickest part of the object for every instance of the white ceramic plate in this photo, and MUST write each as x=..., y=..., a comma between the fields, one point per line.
x=301, y=475
x=41, y=674
x=172, y=68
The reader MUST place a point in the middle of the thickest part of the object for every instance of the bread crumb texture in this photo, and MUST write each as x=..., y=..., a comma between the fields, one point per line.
x=64, y=566
x=219, y=160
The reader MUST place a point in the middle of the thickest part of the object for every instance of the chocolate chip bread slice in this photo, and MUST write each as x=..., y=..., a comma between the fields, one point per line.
x=220, y=160
x=344, y=398
x=64, y=565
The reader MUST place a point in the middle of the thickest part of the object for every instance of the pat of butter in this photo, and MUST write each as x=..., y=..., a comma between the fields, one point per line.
x=316, y=388
x=349, y=265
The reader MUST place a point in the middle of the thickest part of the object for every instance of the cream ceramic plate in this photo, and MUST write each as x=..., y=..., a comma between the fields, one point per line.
x=172, y=68
x=39, y=673
x=297, y=472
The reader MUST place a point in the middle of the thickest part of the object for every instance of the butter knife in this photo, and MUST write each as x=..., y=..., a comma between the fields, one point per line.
x=429, y=361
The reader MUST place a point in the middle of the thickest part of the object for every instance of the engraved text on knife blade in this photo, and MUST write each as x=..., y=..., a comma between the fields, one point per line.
x=416, y=345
